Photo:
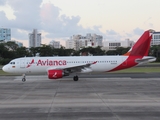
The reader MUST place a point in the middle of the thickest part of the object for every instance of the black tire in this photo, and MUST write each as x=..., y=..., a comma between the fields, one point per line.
x=75, y=78
x=23, y=79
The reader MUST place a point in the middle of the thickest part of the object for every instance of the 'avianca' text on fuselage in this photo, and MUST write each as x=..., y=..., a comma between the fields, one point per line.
x=51, y=62
x=48, y=63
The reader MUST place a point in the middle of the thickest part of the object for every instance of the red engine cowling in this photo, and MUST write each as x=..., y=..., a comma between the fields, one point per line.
x=55, y=74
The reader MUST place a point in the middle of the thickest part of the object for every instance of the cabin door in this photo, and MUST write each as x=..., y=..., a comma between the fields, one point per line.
x=22, y=63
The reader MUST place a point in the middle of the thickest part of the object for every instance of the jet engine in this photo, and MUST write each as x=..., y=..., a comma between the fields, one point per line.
x=55, y=74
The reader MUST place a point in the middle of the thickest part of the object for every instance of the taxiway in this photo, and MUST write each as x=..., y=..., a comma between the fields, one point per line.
x=94, y=98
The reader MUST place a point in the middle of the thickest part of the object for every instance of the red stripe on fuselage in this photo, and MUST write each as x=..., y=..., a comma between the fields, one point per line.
x=129, y=62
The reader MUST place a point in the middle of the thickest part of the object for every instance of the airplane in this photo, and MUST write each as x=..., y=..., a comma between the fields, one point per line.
x=58, y=67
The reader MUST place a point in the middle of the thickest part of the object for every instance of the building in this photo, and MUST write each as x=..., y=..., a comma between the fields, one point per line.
x=55, y=44
x=112, y=45
x=5, y=34
x=18, y=43
x=155, y=38
x=70, y=44
x=97, y=40
x=34, y=39
x=78, y=41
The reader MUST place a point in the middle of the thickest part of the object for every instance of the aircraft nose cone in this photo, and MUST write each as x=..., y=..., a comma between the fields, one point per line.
x=4, y=68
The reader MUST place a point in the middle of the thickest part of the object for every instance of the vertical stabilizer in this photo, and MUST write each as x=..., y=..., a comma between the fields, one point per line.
x=142, y=46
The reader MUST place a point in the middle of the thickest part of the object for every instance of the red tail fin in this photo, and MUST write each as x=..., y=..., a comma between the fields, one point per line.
x=142, y=46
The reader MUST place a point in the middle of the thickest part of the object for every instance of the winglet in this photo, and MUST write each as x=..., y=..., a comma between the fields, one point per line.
x=142, y=46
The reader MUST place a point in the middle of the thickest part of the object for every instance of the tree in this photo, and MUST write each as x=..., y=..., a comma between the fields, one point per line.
x=34, y=50
x=3, y=51
x=118, y=51
x=5, y=54
x=155, y=51
x=93, y=51
x=22, y=52
x=45, y=50
x=122, y=50
x=11, y=45
x=111, y=52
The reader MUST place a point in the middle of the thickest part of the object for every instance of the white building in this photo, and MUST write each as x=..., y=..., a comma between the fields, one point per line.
x=34, y=39
x=55, y=44
x=97, y=40
x=5, y=34
x=112, y=45
x=71, y=44
x=155, y=38
x=78, y=41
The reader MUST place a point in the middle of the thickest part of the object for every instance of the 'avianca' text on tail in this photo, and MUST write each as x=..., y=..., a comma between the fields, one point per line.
x=58, y=67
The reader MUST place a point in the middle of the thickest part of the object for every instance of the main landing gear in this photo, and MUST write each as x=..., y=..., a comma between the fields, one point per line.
x=75, y=78
x=23, y=78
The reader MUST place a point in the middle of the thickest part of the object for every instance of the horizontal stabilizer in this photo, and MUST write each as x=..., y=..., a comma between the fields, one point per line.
x=145, y=60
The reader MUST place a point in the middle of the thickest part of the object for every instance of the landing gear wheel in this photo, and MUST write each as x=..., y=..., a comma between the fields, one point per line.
x=75, y=78
x=23, y=79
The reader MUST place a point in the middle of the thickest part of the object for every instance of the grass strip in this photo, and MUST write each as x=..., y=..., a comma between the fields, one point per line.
x=139, y=70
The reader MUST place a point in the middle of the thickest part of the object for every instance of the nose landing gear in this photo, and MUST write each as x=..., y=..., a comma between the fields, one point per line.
x=23, y=78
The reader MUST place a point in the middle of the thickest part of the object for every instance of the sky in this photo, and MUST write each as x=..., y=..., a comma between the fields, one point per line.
x=60, y=19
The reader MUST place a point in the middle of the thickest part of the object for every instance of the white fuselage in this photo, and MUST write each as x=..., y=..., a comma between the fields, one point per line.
x=35, y=65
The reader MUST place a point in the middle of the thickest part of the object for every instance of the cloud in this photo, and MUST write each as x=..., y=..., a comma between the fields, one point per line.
x=128, y=35
x=61, y=25
x=111, y=32
x=3, y=19
x=18, y=33
x=2, y=2
x=58, y=25
x=46, y=18
x=138, y=31
x=112, y=35
x=134, y=35
x=26, y=12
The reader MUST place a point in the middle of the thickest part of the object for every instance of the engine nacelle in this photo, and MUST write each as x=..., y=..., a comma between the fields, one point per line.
x=55, y=74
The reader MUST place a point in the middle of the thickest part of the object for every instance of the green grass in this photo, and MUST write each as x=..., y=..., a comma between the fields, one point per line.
x=139, y=70
x=4, y=73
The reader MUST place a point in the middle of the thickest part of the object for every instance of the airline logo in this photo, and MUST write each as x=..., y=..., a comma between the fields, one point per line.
x=30, y=63
x=55, y=75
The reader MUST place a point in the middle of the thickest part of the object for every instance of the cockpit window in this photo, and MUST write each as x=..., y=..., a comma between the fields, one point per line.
x=12, y=62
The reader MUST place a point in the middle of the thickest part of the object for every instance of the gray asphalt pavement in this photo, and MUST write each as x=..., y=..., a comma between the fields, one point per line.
x=109, y=98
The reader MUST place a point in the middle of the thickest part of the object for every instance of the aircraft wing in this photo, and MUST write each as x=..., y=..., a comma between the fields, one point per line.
x=79, y=68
